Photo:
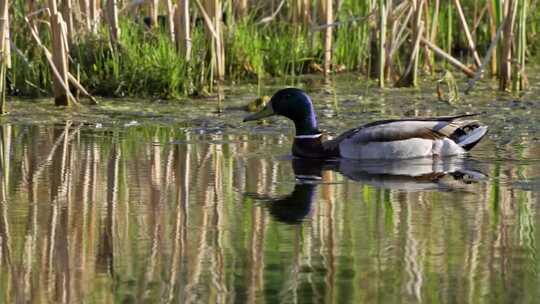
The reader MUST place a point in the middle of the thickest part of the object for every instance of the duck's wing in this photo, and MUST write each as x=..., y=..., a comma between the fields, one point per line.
x=437, y=118
x=432, y=128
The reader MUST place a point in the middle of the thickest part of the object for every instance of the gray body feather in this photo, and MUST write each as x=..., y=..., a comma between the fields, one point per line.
x=409, y=138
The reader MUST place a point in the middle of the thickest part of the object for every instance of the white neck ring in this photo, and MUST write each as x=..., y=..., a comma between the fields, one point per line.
x=309, y=136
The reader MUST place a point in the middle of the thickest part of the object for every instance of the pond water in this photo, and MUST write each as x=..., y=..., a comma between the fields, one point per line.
x=150, y=201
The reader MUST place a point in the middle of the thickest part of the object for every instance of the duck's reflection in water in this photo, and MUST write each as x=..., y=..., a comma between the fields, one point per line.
x=412, y=175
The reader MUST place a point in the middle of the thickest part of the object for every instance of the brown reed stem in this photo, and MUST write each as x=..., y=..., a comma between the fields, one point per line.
x=94, y=15
x=3, y=88
x=505, y=76
x=213, y=25
x=453, y=61
x=493, y=33
x=154, y=11
x=67, y=14
x=382, y=41
x=62, y=95
x=401, y=35
x=465, y=27
x=58, y=79
x=306, y=13
x=418, y=33
x=114, y=29
x=71, y=78
x=435, y=22
x=84, y=7
x=240, y=8
x=485, y=61
x=182, y=29
x=328, y=38
x=5, y=54
x=410, y=76
x=520, y=78
x=170, y=19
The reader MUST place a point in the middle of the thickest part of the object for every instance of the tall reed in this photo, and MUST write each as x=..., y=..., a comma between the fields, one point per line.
x=114, y=29
x=62, y=95
x=5, y=54
x=520, y=79
x=329, y=16
x=382, y=41
x=505, y=77
x=182, y=29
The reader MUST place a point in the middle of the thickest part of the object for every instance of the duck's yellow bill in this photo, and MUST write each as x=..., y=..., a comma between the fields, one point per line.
x=265, y=112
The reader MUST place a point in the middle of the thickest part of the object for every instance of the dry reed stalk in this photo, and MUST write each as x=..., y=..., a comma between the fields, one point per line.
x=30, y=6
x=3, y=88
x=449, y=27
x=154, y=12
x=429, y=61
x=274, y=14
x=465, y=27
x=294, y=11
x=401, y=35
x=60, y=57
x=212, y=18
x=84, y=7
x=182, y=26
x=306, y=12
x=485, y=61
x=57, y=79
x=170, y=19
x=220, y=49
x=435, y=22
x=81, y=89
x=478, y=19
x=240, y=8
x=5, y=49
x=505, y=76
x=394, y=30
x=410, y=76
x=94, y=15
x=301, y=13
x=114, y=29
x=67, y=14
x=425, y=15
x=319, y=11
x=493, y=33
x=418, y=33
x=72, y=78
x=520, y=82
x=5, y=54
x=328, y=37
x=382, y=41
x=391, y=13
x=453, y=61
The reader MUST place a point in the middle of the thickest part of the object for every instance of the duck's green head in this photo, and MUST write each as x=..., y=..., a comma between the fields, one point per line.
x=294, y=104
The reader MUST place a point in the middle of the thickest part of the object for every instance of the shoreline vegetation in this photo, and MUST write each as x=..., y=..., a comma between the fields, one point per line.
x=167, y=49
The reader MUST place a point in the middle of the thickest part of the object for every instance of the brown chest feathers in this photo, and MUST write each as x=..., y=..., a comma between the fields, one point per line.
x=313, y=148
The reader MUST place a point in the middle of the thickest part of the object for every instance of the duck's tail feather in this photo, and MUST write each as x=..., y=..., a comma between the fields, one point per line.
x=471, y=137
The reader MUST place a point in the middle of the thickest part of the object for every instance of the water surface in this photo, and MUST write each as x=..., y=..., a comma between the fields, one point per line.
x=165, y=202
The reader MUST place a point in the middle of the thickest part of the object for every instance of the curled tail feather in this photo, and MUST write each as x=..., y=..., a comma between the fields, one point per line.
x=472, y=134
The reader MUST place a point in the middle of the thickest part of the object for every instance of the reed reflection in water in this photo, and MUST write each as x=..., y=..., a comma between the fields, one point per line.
x=155, y=214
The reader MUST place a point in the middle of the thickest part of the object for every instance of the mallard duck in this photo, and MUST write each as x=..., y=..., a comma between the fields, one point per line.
x=385, y=139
